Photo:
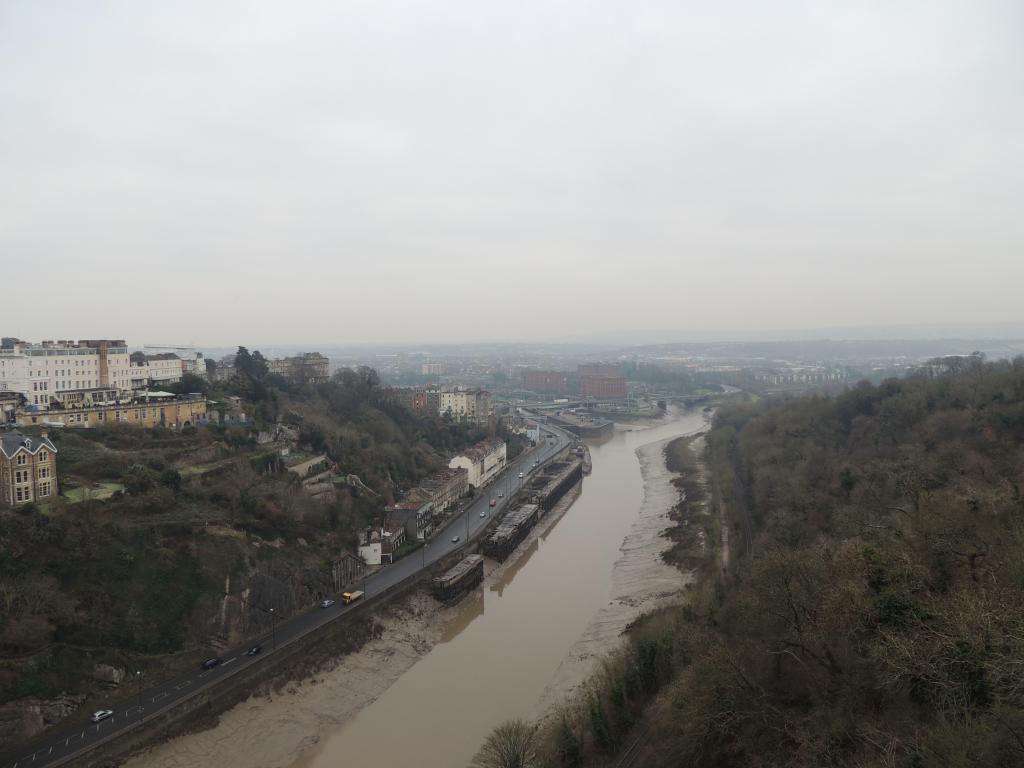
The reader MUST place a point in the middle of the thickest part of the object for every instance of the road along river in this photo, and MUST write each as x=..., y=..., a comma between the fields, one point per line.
x=504, y=644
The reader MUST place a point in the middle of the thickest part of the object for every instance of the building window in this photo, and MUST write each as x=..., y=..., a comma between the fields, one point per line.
x=22, y=459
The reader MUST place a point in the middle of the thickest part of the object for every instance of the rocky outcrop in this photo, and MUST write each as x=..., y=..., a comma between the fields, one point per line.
x=24, y=718
x=20, y=720
x=104, y=673
x=55, y=710
x=281, y=586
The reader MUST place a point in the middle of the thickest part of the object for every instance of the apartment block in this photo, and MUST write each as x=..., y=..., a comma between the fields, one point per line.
x=41, y=372
x=155, y=370
x=465, y=405
x=305, y=368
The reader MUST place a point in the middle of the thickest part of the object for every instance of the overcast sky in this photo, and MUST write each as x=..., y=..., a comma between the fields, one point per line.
x=377, y=171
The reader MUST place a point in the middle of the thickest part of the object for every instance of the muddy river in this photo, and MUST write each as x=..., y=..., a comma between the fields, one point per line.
x=508, y=639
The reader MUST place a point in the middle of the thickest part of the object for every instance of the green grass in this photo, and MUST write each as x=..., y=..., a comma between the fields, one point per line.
x=97, y=491
x=202, y=469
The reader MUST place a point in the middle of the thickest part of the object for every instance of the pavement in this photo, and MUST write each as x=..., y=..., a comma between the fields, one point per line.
x=71, y=741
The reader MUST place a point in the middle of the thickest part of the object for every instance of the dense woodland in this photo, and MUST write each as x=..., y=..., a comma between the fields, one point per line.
x=140, y=578
x=873, y=610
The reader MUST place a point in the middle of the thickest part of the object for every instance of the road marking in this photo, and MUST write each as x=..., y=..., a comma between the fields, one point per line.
x=183, y=685
x=229, y=661
x=159, y=696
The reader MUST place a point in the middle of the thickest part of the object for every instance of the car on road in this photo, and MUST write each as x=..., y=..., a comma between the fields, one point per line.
x=326, y=603
x=483, y=514
x=216, y=661
x=501, y=494
x=521, y=475
x=455, y=539
x=494, y=502
x=101, y=714
x=254, y=650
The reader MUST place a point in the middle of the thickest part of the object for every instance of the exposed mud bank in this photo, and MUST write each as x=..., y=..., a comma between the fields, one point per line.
x=273, y=731
x=642, y=580
x=269, y=731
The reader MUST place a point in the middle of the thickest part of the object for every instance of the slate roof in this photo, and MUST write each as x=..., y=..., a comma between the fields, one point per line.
x=11, y=441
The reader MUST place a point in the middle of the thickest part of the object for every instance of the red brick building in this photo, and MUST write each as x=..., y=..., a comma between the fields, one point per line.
x=603, y=370
x=547, y=382
x=602, y=381
x=603, y=387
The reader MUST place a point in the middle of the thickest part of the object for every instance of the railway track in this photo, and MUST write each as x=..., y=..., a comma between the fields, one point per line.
x=632, y=755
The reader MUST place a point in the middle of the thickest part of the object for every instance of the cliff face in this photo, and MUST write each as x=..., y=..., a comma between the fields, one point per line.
x=25, y=718
x=244, y=610
x=241, y=584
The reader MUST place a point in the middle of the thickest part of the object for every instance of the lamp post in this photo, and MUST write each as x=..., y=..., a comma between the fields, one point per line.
x=273, y=627
x=138, y=690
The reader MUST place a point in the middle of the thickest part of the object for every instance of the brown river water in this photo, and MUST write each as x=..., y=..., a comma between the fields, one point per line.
x=507, y=641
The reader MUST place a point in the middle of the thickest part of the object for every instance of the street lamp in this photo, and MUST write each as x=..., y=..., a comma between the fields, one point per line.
x=138, y=690
x=273, y=627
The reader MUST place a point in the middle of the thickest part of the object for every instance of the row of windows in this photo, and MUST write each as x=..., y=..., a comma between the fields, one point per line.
x=24, y=476
x=25, y=494
x=22, y=458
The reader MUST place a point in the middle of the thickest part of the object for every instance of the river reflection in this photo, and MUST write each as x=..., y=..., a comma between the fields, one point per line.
x=510, y=573
x=504, y=643
x=469, y=609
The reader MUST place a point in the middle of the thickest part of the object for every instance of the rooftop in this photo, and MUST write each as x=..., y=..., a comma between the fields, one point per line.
x=12, y=441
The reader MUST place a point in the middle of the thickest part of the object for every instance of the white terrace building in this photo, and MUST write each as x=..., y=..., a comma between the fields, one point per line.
x=43, y=371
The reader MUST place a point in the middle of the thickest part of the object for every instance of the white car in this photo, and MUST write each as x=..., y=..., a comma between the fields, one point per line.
x=483, y=514
x=326, y=603
x=101, y=714
x=455, y=539
x=501, y=494
x=521, y=475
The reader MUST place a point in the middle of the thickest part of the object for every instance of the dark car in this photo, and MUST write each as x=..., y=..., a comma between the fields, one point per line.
x=254, y=650
x=211, y=663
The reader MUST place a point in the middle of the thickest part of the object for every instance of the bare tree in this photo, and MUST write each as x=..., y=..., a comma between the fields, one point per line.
x=510, y=745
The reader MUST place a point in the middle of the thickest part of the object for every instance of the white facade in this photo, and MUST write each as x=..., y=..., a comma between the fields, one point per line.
x=482, y=463
x=465, y=405
x=39, y=371
x=371, y=553
x=157, y=370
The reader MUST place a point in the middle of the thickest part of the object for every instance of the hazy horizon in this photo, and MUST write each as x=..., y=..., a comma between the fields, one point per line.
x=387, y=173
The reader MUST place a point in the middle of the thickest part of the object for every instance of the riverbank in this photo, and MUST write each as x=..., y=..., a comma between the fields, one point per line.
x=595, y=709
x=276, y=730
x=489, y=657
x=269, y=730
x=645, y=577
